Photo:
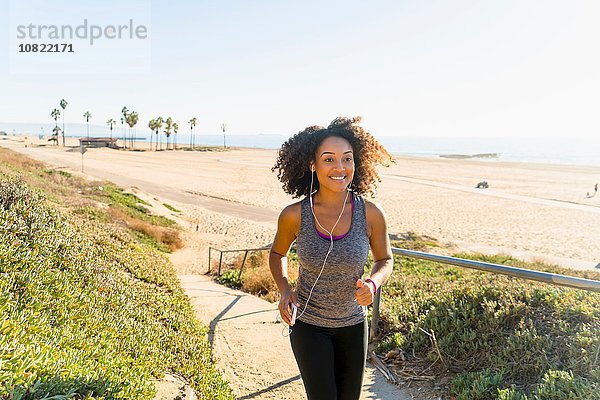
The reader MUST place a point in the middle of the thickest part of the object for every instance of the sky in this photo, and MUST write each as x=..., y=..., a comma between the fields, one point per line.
x=525, y=68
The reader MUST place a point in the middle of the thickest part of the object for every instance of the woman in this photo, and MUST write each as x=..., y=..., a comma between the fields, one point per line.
x=333, y=229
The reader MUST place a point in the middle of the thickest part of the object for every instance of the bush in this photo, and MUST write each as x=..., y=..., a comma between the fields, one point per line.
x=471, y=322
x=230, y=279
x=476, y=385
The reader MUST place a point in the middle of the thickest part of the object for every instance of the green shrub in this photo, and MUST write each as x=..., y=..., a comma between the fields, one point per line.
x=170, y=207
x=412, y=241
x=476, y=385
x=392, y=342
x=563, y=385
x=230, y=278
x=128, y=200
x=93, y=214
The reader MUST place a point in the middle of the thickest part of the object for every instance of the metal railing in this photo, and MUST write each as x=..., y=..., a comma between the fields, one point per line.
x=546, y=277
x=210, y=249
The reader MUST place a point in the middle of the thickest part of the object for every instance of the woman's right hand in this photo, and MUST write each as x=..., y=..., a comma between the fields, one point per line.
x=285, y=305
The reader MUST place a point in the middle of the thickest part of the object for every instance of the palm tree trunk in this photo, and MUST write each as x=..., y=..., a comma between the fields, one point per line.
x=63, y=131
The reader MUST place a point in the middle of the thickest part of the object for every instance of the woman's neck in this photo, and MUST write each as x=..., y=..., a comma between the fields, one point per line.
x=329, y=198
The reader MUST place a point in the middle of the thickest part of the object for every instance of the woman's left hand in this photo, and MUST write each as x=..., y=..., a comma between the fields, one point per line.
x=364, y=293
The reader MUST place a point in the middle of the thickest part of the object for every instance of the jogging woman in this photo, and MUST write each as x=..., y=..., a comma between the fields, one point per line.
x=333, y=227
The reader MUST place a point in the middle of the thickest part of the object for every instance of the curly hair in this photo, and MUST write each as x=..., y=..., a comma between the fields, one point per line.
x=296, y=154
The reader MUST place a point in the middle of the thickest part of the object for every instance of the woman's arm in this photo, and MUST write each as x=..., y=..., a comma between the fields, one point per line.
x=382, y=255
x=287, y=226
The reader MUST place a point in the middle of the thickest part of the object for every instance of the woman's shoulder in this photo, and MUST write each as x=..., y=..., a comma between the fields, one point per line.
x=291, y=215
x=373, y=210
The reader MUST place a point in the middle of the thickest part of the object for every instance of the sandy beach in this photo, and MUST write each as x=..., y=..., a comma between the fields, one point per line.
x=532, y=211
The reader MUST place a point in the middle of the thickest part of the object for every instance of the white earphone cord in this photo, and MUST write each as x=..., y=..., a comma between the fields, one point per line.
x=330, y=245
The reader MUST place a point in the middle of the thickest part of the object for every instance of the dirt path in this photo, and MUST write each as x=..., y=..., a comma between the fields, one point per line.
x=250, y=348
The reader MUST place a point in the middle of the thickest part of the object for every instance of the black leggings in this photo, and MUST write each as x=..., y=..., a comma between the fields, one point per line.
x=331, y=360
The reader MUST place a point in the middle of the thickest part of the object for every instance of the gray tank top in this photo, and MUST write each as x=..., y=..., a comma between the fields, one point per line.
x=332, y=303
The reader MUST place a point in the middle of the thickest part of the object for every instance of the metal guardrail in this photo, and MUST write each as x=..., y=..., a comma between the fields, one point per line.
x=210, y=249
x=546, y=277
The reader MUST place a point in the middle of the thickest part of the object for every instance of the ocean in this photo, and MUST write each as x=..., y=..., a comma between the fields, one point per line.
x=577, y=151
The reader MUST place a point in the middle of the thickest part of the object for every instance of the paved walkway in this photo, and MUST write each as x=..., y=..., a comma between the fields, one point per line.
x=250, y=348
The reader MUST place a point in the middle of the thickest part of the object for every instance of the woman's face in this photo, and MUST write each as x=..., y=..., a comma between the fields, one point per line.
x=334, y=163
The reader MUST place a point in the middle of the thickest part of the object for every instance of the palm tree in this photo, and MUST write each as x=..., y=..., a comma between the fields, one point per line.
x=63, y=105
x=168, y=127
x=124, y=112
x=152, y=126
x=87, y=117
x=110, y=123
x=54, y=137
x=223, y=127
x=123, y=130
x=192, y=123
x=159, y=122
x=132, y=119
x=55, y=114
x=175, y=129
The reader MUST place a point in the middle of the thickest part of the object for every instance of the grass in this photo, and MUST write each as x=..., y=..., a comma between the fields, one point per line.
x=205, y=148
x=170, y=207
x=488, y=335
x=87, y=310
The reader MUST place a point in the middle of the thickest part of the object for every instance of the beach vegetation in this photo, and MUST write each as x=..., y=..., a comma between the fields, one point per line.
x=205, y=148
x=490, y=332
x=412, y=241
x=170, y=207
x=230, y=278
x=87, y=310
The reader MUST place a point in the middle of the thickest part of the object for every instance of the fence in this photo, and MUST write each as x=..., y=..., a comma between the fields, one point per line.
x=546, y=277
x=246, y=251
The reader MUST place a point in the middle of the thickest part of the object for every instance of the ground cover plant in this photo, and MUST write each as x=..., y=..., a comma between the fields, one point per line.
x=495, y=336
x=87, y=310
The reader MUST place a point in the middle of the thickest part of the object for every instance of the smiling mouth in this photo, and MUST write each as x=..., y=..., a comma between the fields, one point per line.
x=338, y=178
